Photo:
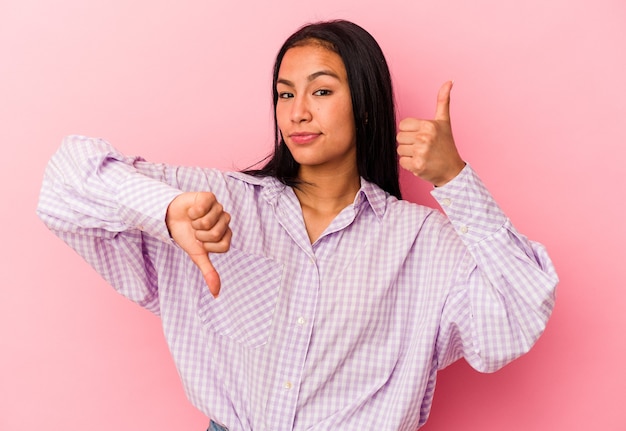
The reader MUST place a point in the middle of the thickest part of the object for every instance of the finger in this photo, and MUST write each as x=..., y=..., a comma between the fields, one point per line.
x=211, y=277
x=203, y=202
x=405, y=138
x=221, y=246
x=443, y=102
x=411, y=164
x=205, y=213
x=216, y=232
x=211, y=218
x=405, y=150
x=422, y=136
x=409, y=125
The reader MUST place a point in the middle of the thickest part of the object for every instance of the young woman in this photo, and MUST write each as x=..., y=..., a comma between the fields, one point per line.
x=306, y=295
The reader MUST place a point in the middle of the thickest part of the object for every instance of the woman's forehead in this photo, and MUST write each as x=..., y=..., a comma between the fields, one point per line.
x=309, y=60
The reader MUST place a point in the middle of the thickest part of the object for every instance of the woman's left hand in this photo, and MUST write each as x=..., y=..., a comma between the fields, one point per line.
x=426, y=147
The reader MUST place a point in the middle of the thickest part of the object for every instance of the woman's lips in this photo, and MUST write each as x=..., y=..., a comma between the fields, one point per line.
x=303, y=137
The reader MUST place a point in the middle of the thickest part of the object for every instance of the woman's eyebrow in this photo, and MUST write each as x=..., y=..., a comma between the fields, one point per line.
x=310, y=78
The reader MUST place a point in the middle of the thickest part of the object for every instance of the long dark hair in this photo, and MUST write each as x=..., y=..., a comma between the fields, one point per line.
x=372, y=104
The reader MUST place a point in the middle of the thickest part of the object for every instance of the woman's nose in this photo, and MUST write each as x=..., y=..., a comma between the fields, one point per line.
x=300, y=110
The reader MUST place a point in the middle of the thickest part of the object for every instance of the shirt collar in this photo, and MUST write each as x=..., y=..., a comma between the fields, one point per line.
x=271, y=188
x=369, y=193
x=373, y=195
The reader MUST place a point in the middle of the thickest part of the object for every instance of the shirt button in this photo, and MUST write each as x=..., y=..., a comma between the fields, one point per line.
x=301, y=321
x=464, y=229
x=446, y=202
x=288, y=385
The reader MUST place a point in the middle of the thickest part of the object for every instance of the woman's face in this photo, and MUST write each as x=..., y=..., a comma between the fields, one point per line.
x=314, y=108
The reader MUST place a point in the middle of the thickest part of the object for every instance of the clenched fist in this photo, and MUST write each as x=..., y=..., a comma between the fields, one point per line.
x=426, y=147
x=199, y=225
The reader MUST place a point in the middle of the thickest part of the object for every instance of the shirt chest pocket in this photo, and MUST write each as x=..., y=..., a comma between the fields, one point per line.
x=245, y=307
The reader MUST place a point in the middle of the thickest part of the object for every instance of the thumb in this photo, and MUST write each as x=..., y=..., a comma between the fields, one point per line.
x=211, y=277
x=443, y=102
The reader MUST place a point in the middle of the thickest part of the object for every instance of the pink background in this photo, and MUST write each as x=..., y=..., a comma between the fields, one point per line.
x=538, y=108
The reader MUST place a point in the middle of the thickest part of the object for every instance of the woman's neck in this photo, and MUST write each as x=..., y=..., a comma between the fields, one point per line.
x=329, y=191
x=323, y=196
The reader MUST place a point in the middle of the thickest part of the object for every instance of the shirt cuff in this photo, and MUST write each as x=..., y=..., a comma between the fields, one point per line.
x=470, y=207
x=143, y=204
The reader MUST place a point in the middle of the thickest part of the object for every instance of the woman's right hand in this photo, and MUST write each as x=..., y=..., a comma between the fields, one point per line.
x=199, y=225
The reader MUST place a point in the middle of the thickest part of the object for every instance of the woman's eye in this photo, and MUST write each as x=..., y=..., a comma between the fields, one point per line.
x=322, y=93
x=285, y=95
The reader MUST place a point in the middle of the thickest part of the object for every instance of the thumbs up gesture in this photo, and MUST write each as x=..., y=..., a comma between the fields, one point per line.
x=426, y=147
x=199, y=225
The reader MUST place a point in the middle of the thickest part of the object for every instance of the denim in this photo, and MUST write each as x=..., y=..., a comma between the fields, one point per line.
x=215, y=427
